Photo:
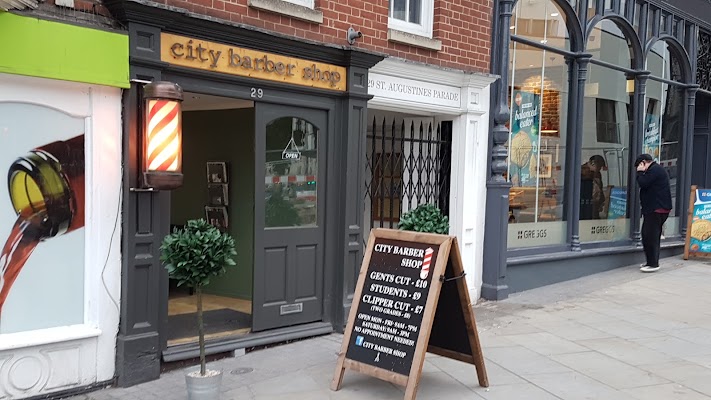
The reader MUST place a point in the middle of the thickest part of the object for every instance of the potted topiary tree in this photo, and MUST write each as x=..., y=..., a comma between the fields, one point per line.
x=192, y=255
x=425, y=218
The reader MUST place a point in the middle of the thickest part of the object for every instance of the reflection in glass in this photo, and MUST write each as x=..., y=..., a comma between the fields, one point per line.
x=291, y=172
x=406, y=10
x=415, y=10
x=608, y=43
x=664, y=106
x=662, y=62
x=398, y=9
x=543, y=22
x=607, y=110
x=538, y=96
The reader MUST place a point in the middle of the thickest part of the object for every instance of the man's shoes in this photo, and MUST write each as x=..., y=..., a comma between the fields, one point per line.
x=647, y=268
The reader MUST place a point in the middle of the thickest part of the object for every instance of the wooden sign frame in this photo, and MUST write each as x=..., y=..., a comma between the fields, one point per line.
x=448, y=253
x=690, y=217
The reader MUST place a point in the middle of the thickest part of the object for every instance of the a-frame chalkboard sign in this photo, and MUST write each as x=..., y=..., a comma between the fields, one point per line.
x=411, y=298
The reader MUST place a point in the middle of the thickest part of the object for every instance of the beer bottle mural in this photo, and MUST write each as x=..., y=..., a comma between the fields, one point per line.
x=45, y=189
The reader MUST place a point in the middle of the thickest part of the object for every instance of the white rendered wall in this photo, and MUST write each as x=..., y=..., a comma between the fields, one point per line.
x=62, y=358
x=419, y=90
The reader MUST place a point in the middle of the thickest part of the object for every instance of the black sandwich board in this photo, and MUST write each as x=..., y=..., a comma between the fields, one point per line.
x=411, y=298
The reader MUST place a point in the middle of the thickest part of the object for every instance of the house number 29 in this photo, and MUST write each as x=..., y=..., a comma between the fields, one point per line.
x=257, y=93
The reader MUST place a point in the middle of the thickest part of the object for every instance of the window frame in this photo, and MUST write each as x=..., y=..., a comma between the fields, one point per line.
x=424, y=28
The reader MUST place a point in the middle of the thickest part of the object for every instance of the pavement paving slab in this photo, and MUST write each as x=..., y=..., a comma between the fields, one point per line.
x=619, y=334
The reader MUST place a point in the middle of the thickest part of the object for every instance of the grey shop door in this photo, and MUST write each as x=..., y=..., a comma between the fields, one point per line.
x=289, y=216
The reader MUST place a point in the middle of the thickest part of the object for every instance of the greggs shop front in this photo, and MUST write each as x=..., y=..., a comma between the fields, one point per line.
x=273, y=131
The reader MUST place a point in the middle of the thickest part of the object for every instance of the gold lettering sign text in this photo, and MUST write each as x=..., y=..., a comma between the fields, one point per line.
x=217, y=57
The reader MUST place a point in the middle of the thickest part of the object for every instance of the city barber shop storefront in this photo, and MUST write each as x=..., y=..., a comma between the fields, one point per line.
x=273, y=131
x=586, y=86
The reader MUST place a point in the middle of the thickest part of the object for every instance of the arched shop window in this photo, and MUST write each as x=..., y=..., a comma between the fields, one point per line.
x=664, y=119
x=607, y=129
x=539, y=100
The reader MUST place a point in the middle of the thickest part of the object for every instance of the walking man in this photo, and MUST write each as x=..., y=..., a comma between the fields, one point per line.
x=655, y=196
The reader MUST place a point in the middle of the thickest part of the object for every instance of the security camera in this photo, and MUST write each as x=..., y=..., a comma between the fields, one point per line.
x=353, y=35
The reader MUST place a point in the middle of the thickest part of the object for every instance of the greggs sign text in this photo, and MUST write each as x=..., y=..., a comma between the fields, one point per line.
x=217, y=57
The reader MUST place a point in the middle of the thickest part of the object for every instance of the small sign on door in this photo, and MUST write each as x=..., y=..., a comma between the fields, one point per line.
x=291, y=151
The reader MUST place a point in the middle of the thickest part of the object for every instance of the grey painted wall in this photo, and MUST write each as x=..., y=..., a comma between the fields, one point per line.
x=221, y=135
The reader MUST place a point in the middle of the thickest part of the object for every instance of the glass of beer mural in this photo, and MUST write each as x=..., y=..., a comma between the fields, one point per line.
x=42, y=217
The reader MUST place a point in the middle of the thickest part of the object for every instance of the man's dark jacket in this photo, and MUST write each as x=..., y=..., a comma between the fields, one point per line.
x=654, y=192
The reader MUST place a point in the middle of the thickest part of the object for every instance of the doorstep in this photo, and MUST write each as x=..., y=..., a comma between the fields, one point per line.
x=223, y=345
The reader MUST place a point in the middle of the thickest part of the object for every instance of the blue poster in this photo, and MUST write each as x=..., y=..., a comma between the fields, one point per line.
x=701, y=223
x=652, y=137
x=523, y=142
x=618, y=203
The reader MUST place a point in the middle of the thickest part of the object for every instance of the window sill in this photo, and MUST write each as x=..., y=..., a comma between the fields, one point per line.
x=11, y=341
x=414, y=40
x=613, y=248
x=290, y=9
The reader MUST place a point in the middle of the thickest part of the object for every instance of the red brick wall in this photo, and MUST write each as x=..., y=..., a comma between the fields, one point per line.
x=463, y=26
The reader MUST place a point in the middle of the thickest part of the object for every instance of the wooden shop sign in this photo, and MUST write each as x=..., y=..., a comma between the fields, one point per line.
x=218, y=57
x=411, y=298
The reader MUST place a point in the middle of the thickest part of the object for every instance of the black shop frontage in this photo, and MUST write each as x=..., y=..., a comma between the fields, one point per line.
x=273, y=131
x=570, y=116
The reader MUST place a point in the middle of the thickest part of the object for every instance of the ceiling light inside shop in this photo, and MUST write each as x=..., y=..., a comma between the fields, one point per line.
x=554, y=14
x=512, y=27
x=544, y=41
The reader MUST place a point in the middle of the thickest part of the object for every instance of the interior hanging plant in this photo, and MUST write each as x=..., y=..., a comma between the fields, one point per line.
x=193, y=255
x=425, y=218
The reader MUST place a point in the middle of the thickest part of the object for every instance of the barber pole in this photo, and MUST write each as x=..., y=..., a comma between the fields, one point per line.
x=425, y=272
x=163, y=153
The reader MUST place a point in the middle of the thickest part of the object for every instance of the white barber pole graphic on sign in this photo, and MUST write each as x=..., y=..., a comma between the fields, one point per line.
x=426, y=263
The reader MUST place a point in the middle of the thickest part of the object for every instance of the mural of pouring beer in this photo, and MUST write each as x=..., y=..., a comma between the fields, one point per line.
x=42, y=217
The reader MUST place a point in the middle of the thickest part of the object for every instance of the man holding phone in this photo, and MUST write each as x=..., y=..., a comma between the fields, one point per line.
x=656, y=201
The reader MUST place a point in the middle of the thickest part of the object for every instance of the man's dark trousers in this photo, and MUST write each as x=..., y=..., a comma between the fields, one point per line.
x=651, y=236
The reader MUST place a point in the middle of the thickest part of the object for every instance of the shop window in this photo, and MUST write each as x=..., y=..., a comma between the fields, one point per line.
x=412, y=16
x=42, y=235
x=538, y=97
x=664, y=121
x=543, y=23
x=607, y=129
x=616, y=49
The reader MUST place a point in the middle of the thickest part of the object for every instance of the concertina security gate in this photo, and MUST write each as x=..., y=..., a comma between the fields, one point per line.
x=407, y=164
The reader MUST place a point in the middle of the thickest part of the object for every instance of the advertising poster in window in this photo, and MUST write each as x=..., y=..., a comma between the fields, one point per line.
x=617, y=208
x=701, y=223
x=652, y=137
x=41, y=218
x=523, y=143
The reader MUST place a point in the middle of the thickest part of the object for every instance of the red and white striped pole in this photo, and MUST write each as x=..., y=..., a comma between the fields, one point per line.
x=425, y=272
x=162, y=136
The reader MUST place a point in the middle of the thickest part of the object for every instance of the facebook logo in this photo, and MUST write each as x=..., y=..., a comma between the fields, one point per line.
x=359, y=341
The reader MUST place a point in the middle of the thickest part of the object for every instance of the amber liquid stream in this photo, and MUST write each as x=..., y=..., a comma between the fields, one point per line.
x=26, y=234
